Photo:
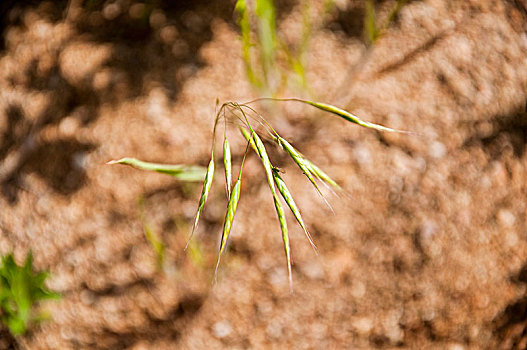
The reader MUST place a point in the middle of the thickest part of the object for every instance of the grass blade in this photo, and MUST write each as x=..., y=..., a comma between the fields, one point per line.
x=288, y=198
x=179, y=171
x=227, y=165
x=156, y=243
x=245, y=28
x=266, y=16
x=207, y=183
x=393, y=13
x=151, y=236
x=370, y=23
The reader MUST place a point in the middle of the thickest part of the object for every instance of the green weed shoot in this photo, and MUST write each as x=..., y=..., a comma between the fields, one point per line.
x=21, y=288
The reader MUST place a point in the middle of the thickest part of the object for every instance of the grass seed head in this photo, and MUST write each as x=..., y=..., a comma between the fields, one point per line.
x=299, y=159
x=262, y=153
x=350, y=117
x=229, y=218
x=285, y=237
x=288, y=198
x=204, y=194
x=321, y=175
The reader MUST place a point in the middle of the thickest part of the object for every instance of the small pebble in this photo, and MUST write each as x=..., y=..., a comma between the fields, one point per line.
x=437, y=150
x=111, y=11
x=222, y=329
x=363, y=325
x=506, y=218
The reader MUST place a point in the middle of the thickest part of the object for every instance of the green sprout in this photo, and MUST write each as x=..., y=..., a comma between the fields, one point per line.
x=153, y=238
x=268, y=59
x=372, y=29
x=20, y=289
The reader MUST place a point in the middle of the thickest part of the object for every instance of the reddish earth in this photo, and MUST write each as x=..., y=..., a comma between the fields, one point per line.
x=426, y=249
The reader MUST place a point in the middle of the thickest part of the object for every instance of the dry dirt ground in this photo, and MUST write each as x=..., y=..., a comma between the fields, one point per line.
x=426, y=248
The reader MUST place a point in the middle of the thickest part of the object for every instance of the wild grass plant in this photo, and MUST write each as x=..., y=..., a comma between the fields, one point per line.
x=255, y=129
x=264, y=53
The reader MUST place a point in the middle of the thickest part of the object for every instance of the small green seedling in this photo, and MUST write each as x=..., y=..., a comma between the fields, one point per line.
x=269, y=59
x=21, y=288
x=155, y=241
x=372, y=29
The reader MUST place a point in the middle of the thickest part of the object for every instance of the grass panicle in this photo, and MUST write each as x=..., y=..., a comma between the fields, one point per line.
x=284, y=191
x=242, y=115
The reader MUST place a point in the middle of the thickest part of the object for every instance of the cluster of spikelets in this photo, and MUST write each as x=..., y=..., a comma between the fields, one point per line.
x=242, y=115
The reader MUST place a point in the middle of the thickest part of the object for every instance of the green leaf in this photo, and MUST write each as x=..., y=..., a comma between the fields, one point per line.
x=20, y=289
x=245, y=28
x=370, y=22
x=265, y=12
x=156, y=243
x=179, y=171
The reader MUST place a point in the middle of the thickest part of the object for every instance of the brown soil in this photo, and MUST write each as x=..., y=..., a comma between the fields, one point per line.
x=426, y=250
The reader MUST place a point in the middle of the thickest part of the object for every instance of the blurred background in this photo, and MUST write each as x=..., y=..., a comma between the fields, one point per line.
x=426, y=248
